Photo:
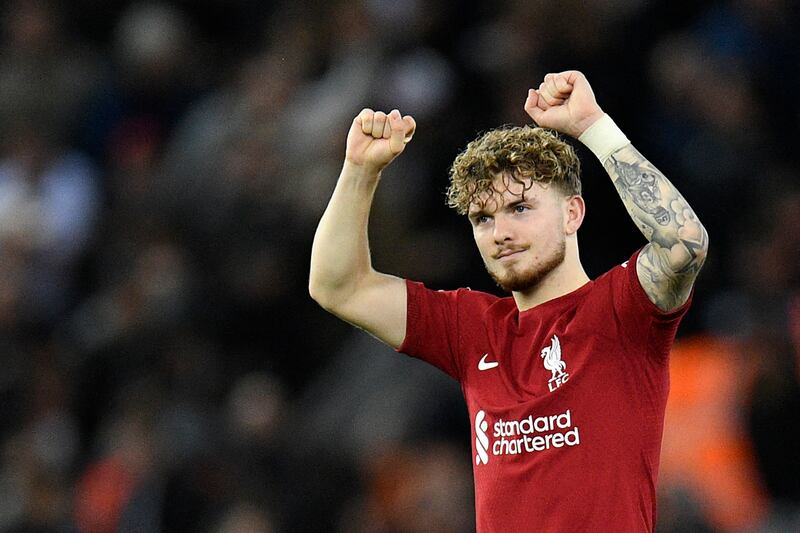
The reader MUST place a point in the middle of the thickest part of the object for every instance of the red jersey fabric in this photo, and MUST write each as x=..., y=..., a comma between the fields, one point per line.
x=566, y=400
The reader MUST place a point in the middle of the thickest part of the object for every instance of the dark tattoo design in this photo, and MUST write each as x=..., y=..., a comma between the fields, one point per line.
x=641, y=184
x=667, y=266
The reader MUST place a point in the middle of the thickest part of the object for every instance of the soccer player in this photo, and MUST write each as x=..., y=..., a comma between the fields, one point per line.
x=565, y=381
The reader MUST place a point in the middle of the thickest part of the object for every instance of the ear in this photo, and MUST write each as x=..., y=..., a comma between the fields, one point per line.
x=574, y=211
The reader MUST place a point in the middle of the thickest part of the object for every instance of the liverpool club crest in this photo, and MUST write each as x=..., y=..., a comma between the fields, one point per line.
x=551, y=356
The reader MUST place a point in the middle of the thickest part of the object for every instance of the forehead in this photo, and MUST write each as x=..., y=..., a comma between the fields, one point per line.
x=506, y=190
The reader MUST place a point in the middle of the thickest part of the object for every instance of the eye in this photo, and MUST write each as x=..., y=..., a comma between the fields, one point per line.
x=479, y=220
x=520, y=208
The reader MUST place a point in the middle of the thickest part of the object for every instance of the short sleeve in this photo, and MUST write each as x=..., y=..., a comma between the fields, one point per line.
x=643, y=322
x=432, y=327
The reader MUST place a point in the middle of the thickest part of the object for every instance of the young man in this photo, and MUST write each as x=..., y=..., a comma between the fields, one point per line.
x=566, y=381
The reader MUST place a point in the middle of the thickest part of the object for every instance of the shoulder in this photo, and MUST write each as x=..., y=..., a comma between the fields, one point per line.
x=622, y=286
x=619, y=275
x=463, y=303
x=462, y=296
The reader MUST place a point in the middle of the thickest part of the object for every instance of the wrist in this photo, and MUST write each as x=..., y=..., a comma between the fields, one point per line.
x=603, y=138
x=587, y=123
x=361, y=171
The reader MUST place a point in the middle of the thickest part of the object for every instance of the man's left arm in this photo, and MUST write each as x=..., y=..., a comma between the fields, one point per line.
x=678, y=242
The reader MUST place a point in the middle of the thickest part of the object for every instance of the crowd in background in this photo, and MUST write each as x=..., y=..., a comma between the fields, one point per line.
x=163, y=165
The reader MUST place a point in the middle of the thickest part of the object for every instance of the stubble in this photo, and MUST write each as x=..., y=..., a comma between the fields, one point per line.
x=529, y=276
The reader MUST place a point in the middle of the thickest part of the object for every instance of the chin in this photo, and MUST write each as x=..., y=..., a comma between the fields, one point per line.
x=520, y=280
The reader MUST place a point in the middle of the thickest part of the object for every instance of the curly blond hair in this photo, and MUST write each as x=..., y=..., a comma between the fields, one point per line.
x=519, y=152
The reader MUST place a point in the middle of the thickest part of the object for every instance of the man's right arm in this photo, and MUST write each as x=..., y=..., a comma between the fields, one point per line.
x=342, y=279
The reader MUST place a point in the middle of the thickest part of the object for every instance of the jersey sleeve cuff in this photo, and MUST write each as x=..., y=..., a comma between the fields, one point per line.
x=412, y=316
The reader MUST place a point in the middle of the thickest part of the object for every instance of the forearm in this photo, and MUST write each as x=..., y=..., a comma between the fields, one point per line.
x=660, y=212
x=340, y=253
x=668, y=266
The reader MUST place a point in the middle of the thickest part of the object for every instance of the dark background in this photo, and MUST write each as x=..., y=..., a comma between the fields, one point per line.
x=163, y=166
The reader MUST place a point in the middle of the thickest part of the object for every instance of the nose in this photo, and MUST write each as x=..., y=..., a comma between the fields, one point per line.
x=502, y=230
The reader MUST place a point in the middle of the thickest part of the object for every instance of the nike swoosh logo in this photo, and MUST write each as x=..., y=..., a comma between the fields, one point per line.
x=484, y=365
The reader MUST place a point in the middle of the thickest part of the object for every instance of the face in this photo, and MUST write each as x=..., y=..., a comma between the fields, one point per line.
x=520, y=233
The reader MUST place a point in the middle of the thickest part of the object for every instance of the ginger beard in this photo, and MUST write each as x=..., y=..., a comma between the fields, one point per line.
x=520, y=277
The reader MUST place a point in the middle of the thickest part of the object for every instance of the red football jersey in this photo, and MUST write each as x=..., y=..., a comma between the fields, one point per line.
x=566, y=400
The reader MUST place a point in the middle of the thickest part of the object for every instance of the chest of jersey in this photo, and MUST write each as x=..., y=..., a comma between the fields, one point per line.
x=539, y=359
x=547, y=389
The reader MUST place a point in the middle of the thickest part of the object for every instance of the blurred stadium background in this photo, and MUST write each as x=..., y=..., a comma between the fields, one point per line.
x=163, y=165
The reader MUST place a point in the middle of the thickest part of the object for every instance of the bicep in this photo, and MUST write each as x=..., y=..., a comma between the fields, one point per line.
x=667, y=274
x=378, y=306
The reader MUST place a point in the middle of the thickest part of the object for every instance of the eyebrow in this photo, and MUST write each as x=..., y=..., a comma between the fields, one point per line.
x=476, y=214
x=511, y=205
x=532, y=201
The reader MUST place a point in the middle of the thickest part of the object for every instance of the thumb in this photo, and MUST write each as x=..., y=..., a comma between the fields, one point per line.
x=410, y=128
x=532, y=105
x=397, y=137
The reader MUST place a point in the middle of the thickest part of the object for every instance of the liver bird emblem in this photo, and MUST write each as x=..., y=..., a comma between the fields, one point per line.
x=552, y=358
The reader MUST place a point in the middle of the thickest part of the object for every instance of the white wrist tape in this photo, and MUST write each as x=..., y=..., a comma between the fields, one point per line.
x=603, y=138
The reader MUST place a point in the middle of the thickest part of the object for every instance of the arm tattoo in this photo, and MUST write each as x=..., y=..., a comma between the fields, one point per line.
x=668, y=266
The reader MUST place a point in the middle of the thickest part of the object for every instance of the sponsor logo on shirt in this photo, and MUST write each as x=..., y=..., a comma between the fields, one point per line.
x=483, y=364
x=481, y=438
x=551, y=357
x=528, y=435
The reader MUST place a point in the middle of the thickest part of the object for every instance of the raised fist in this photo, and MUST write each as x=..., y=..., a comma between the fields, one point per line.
x=376, y=138
x=564, y=102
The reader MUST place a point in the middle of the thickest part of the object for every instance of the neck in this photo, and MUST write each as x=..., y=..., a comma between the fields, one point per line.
x=563, y=279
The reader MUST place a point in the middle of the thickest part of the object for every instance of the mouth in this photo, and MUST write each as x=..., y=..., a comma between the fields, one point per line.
x=508, y=253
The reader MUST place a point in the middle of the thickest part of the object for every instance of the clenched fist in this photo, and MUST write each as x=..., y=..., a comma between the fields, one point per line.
x=564, y=102
x=376, y=138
